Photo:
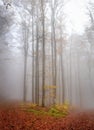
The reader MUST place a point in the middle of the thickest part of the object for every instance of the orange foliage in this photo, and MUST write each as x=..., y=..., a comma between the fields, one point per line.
x=14, y=118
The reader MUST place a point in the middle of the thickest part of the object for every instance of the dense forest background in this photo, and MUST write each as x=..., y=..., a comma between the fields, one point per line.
x=47, y=51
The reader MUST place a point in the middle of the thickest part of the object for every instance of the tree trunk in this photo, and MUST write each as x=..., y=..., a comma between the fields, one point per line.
x=62, y=71
x=37, y=62
x=53, y=42
x=43, y=54
x=33, y=68
x=25, y=60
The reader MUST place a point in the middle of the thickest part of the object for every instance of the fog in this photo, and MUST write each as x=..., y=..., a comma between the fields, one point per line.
x=74, y=78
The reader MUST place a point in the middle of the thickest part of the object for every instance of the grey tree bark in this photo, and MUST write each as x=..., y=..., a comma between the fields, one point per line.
x=43, y=52
x=33, y=68
x=37, y=60
x=53, y=42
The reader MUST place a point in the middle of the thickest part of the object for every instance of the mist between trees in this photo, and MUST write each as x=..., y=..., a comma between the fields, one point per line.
x=40, y=61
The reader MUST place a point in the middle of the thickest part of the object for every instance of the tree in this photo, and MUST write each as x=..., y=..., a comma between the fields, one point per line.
x=26, y=35
x=53, y=43
x=43, y=52
x=37, y=57
x=33, y=85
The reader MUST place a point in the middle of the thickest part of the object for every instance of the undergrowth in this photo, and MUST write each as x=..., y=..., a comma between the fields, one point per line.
x=54, y=110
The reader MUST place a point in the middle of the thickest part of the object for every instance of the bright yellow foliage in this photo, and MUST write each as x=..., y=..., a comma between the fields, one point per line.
x=50, y=87
x=63, y=107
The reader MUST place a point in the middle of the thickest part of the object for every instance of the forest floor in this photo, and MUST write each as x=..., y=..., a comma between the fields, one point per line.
x=24, y=117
